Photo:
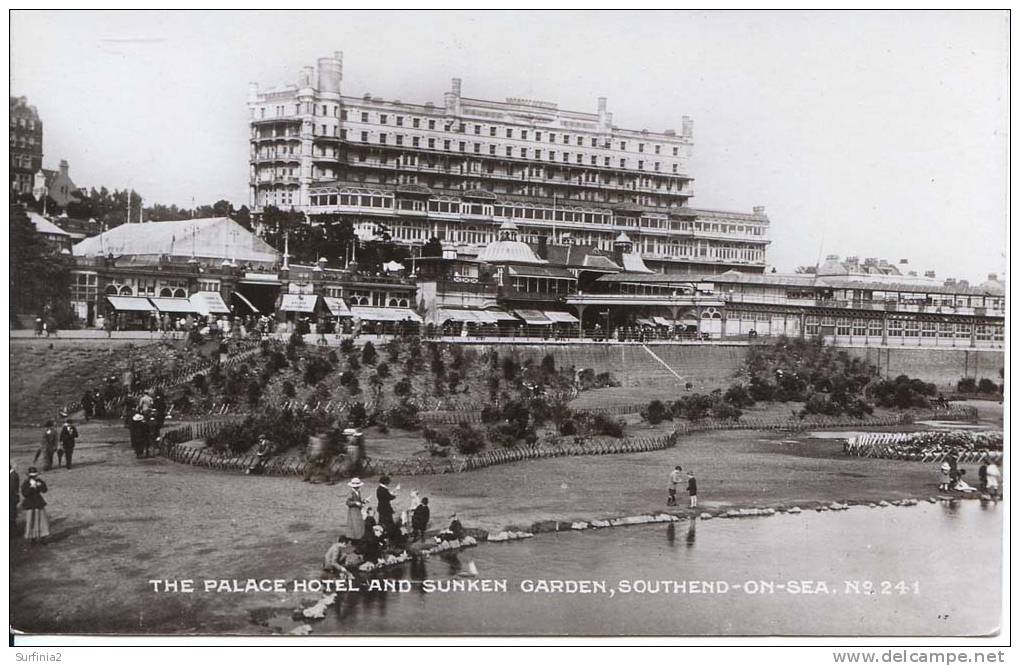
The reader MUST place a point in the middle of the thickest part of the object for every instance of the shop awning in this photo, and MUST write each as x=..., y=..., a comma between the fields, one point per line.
x=499, y=315
x=385, y=314
x=468, y=316
x=299, y=303
x=174, y=305
x=337, y=306
x=248, y=304
x=558, y=317
x=209, y=302
x=261, y=278
x=533, y=317
x=662, y=321
x=645, y=322
x=130, y=303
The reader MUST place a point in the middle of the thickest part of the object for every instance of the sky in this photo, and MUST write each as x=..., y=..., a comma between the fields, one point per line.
x=876, y=134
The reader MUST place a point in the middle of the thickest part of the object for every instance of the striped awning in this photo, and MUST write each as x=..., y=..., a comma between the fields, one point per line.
x=131, y=303
x=209, y=302
x=533, y=317
x=558, y=317
x=337, y=306
x=174, y=305
x=499, y=315
x=299, y=303
x=662, y=321
x=645, y=322
x=464, y=316
x=248, y=304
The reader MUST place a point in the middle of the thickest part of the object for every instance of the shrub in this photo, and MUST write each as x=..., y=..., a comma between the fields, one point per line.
x=383, y=369
x=402, y=389
x=655, y=412
x=393, y=350
x=358, y=415
x=368, y=354
x=491, y=414
x=254, y=393
x=738, y=396
x=967, y=385
x=725, y=411
x=347, y=346
x=568, y=427
x=549, y=364
x=987, y=386
x=502, y=434
x=288, y=389
x=317, y=368
x=198, y=381
x=467, y=439
x=403, y=415
x=437, y=442
x=597, y=423
x=353, y=364
x=510, y=369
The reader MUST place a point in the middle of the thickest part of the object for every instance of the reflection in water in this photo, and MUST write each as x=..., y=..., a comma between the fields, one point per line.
x=892, y=544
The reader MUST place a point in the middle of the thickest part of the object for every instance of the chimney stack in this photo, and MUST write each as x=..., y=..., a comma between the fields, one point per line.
x=930, y=274
x=759, y=210
x=455, y=87
x=543, y=247
x=64, y=168
x=993, y=276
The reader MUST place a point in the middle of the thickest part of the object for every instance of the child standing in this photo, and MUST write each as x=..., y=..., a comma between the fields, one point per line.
x=675, y=478
x=692, y=489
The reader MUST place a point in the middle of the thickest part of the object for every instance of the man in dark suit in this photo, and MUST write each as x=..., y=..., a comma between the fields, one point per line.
x=68, y=438
x=384, y=499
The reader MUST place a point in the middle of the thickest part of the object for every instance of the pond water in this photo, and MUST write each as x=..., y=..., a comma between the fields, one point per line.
x=923, y=570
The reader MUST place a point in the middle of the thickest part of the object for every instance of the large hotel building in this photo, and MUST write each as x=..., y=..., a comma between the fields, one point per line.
x=459, y=170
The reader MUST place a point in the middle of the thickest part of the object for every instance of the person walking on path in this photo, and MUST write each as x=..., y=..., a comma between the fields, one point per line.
x=355, y=522
x=675, y=479
x=48, y=447
x=139, y=433
x=37, y=523
x=384, y=499
x=692, y=489
x=68, y=438
x=88, y=404
x=15, y=497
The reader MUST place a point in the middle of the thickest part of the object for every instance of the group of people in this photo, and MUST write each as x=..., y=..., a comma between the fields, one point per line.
x=951, y=477
x=60, y=442
x=371, y=533
x=144, y=420
x=676, y=478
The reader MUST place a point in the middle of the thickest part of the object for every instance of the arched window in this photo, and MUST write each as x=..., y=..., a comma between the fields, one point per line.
x=165, y=292
x=180, y=293
x=402, y=302
x=125, y=291
x=111, y=290
x=392, y=303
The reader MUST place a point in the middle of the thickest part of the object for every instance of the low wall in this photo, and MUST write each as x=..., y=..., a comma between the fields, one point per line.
x=944, y=367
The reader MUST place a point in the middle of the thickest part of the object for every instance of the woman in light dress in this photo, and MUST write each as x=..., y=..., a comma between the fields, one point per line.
x=355, y=521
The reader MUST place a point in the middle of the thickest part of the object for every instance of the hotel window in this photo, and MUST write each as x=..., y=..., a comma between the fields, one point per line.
x=580, y=140
x=676, y=151
x=594, y=142
x=566, y=138
x=382, y=118
x=928, y=329
x=400, y=139
x=842, y=326
x=623, y=163
x=594, y=161
x=461, y=145
x=538, y=136
x=432, y=124
x=524, y=153
x=641, y=147
x=364, y=136
x=811, y=325
x=911, y=328
x=492, y=149
x=566, y=157
x=432, y=143
x=552, y=155
x=478, y=129
x=606, y=161
x=623, y=145
x=657, y=149
x=478, y=147
x=415, y=123
x=509, y=133
x=674, y=168
x=446, y=144
x=640, y=164
x=524, y=134
x=415, y=141
x=509, y=151
x=492, y=130
x=552, y=137
x=382, y=138
x=580, y=158
x=538, y=154
x=400, y=121
x=364, y=117
x=896, y=328
x=963, y=330
x=656, y=166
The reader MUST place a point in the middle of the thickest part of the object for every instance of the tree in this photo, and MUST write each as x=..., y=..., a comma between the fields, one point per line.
x=40, y=275
x=806, y=270
x=432, y=248
x=243, y=217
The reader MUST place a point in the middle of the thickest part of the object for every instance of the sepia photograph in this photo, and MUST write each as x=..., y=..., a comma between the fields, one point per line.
x=519, y=323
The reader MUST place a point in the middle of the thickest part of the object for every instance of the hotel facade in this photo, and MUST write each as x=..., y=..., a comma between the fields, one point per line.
x=459, y=170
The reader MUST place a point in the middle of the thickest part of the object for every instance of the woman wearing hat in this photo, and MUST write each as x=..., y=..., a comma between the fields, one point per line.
x=37, y=523
x=48, y=447
x=139, y=434
x=355, y=522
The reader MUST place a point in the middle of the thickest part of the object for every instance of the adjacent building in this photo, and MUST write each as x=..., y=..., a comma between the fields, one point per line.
x=55, y=184
x=461, y=169
x=26, y=148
